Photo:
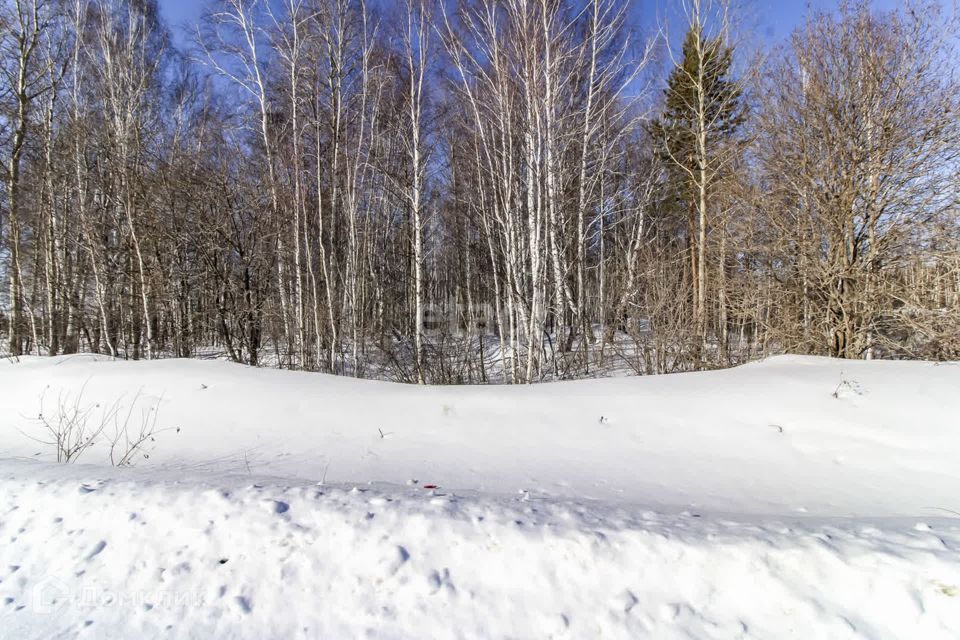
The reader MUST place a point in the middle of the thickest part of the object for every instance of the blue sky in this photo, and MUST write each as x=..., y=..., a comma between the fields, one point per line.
x=776, y=19
x=773, y=19
x=763, y=21
x=186, y=11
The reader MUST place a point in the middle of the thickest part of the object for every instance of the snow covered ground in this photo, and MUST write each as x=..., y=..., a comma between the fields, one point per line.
x=797, y=497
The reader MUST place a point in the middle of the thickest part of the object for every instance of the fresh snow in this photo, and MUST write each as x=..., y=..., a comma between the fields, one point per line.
x=795, y=497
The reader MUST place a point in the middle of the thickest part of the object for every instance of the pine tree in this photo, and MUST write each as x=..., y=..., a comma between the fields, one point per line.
x=694, y=137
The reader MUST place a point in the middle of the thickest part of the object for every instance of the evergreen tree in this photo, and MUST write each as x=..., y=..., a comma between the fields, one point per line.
x=695, y=139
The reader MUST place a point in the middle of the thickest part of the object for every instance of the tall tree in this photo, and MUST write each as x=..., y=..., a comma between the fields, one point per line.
x=27, y=75
x=858, y=128
x=703, y=110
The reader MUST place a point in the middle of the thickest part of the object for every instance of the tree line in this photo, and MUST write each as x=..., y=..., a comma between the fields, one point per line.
x=477, y=190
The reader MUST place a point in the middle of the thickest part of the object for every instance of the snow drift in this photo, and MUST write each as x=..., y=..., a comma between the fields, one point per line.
x=797, y=496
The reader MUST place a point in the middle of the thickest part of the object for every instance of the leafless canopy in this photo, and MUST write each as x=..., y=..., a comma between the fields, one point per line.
x=477, y=190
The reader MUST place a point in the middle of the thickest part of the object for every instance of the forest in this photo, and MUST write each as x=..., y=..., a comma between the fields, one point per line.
x=478, y=191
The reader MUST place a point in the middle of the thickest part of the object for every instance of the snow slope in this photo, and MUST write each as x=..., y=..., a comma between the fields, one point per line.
x=797, y=497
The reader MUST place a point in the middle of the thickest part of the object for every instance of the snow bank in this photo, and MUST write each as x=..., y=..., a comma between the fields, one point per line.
x=797, y=496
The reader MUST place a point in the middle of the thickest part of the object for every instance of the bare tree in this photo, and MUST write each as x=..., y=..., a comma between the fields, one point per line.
x=27, y=74
x=858, y=124
x=475, y=191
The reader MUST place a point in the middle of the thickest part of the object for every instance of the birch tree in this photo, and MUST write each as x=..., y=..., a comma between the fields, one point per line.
x=27, y=77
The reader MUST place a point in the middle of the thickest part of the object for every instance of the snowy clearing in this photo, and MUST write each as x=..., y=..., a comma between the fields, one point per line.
x=796, y=497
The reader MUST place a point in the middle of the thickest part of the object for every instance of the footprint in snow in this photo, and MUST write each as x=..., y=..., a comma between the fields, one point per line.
x=394, y=559
x=244, y=603
x=438, y=581
x=628, y=601
x=276, y=506
x=100, y=546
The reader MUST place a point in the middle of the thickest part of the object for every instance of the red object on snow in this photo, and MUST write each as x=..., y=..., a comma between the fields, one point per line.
x=430, y=486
